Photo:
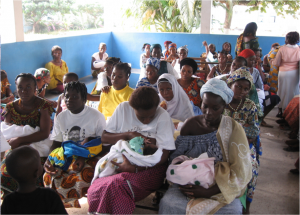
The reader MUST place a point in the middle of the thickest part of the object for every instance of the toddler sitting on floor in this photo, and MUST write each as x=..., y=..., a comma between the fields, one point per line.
x=137, y=151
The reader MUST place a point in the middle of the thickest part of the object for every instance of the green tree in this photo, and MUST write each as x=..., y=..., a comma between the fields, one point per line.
x=35, y=10
x=281, y=7
x=94, y=10
x=166, y=15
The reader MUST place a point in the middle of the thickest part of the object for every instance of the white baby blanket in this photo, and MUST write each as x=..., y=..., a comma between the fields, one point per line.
x=197, y=171
x=11, y=131
x=105, y=168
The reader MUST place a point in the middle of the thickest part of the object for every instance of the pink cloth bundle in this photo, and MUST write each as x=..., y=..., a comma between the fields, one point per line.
x=196, y=171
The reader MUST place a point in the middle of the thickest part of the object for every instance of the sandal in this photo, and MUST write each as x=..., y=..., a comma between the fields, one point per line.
x=291, y=149
x=279, y=115
x=281, y=121
x=295, y=171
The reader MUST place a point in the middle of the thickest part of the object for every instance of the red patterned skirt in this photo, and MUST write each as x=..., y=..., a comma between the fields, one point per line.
x=291, y=113
x=117, y=194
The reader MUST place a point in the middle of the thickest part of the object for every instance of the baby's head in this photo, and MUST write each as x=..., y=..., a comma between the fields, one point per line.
x=71, y=76
x=149, y=149
x=24, y=165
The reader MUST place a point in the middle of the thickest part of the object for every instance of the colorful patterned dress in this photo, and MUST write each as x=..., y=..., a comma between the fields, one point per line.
x=241, y=45
x=247, y=116
x=193, y=91
x=8, y=184
x=273, y=74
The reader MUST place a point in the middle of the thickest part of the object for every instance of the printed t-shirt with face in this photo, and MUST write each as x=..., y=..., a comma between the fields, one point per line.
x=76, y=127
x=161, y=127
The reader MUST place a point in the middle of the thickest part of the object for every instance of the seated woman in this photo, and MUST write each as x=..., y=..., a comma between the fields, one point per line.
x=42, y=77
x=190, y=85
x=152, y=67
x=98, y=60
x=165, y=67
x=250, y=57
x=144, y=57
x=173, y=98
x=182, y=52
x=58, y=68
x=119, y=91
x=27, y=110
x=244, y=111
x=166, y=52
x=220, y=69
x=173, y=52
x=78, y=123
x=140, y=116
x=222, y=138
x=6, y=94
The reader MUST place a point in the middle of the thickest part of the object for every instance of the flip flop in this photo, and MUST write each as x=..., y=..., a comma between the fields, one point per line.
x=264, y=124
x=295, y=171
x=291, y=149
x=281, y=121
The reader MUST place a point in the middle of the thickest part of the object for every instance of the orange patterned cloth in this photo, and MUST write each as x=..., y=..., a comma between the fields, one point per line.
x=71, y=185
x=193, y=91
x=291, y=113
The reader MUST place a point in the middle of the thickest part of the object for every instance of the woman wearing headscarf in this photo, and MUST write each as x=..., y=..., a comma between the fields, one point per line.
x=287, y=59
x=173, y=98
x=183, y=53
x=189, y=84
x=220, y=137
x=152, y=67
x=173, y=52
x=248, y=39
x=165, y=67
x=244, y=111
x=166, y=51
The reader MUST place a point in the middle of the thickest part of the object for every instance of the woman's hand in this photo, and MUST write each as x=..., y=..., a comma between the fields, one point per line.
x=105, y=89
x=78, y=164
x=49, y=168
x=266, y=87
x=14, y=142
x=196, y=191
x=126, y=166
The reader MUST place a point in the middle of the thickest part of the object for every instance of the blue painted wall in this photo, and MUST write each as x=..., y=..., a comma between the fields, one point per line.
x=127, y=46
x=28, y=56
x=77, y=51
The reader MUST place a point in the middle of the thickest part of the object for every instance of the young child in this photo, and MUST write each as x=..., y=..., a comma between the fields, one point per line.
x=118, y=92
x=166, y=52
x=211, y=54
x=220, y=69
x=23, y=164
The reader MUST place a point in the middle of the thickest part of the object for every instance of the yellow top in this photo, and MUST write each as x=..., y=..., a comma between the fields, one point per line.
x=110, y=101
x=56, y=73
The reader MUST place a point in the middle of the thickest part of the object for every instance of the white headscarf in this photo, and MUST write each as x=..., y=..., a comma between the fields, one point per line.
x=179, y=107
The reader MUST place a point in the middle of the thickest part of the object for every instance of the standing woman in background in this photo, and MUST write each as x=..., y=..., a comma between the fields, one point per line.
x=144, y=57
x=98, y=60
x=287, y=59
x=248, y=39
x=58, y=68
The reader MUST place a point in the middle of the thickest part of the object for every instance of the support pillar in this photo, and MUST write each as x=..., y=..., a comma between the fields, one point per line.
x=18, y=13
x=206, y=16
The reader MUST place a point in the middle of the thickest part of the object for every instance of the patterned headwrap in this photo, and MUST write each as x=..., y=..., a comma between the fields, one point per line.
x=41, y=73
x=154, y=62
x=183, y=47
x=218, y=87
x=167, y=42
x=173, y=45
x=242, y=73
x=155, y=46
x=247, y=53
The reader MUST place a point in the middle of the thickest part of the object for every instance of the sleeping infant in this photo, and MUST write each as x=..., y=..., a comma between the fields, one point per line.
x=136, y=151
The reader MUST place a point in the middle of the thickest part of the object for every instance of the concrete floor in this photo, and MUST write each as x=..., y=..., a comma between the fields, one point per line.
x=277, y=190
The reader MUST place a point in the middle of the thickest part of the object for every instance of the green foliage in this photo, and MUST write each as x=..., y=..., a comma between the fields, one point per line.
x=95, y=11
x=166, y=15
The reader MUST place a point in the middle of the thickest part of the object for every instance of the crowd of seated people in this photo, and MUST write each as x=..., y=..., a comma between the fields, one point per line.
x=171, y=117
